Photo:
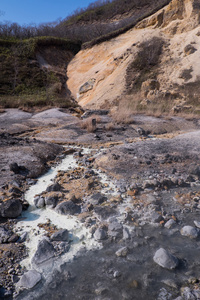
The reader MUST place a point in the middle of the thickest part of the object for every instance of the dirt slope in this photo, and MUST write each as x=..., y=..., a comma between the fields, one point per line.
x=98, y=76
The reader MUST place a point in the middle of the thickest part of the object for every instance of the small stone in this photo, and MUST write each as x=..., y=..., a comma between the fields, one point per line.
x=14, y=237
x=39, y=202
x=122, y=252
x=134, y=284
x=126, y=233
x=192, y=280
x=100, y=234
x=197, y=224
x=10, y=271
x=116, y=274
x=22, y=237
x=190, y=231
x=101, y=291
x=169, y=223
x=155, y=217
x=165, y=259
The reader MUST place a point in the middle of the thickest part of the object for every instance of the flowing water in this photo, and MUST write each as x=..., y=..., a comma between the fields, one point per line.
x=30, y=219
x=96, y=272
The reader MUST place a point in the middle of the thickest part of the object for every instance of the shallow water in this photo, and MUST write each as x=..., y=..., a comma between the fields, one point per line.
x=92, y=266
x=29, y=220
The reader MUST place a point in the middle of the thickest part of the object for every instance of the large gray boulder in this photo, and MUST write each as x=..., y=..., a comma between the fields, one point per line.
x=68, y=208
x=11, y=208
x=61, y=235
x=165, y=259
x=44, y=252
x=190, y=232
x=29, y=279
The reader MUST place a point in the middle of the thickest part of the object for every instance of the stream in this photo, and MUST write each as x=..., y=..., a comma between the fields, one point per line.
x=91, y=269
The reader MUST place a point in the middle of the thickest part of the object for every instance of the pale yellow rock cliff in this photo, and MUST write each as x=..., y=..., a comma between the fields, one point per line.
x=106, y=64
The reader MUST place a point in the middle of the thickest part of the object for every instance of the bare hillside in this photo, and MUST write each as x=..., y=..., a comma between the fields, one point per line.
x=155, y=62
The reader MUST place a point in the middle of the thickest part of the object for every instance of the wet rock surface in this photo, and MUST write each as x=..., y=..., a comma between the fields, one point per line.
x=136, y=196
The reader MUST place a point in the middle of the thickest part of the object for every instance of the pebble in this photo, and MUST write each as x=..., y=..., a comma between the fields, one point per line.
x=100, y=291
x=126, y=233
x=169, y=223
x=197, y=224
x=116, y=274
x=122, y=252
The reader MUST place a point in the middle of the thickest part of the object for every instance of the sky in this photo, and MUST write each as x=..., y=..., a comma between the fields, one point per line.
x=25, y=12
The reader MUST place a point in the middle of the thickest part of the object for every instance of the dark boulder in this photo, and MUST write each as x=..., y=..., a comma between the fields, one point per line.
x=56, y=187
x=61, y=235
x=68, y=208
x=44, y=252
x=11, y=208
x=14, y=168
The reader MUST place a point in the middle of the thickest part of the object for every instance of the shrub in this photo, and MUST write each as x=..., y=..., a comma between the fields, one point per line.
x=124, y=113
x=148, y=54
x=90, y=123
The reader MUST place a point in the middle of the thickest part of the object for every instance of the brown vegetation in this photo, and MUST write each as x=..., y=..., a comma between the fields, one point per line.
x=144, y=64
x=23, y=82
x=124, y=113
x=90, y=123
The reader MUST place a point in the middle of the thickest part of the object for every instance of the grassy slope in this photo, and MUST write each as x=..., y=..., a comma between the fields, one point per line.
x=24, y=82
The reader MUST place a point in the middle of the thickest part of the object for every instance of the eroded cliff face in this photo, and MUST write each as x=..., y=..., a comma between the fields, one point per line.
x=99, y=77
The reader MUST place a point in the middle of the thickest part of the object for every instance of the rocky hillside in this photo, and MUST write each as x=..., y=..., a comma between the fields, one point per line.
x=153, y=66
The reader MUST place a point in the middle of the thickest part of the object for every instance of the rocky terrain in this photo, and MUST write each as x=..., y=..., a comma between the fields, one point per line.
x=115, y=216
x=102, y=200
